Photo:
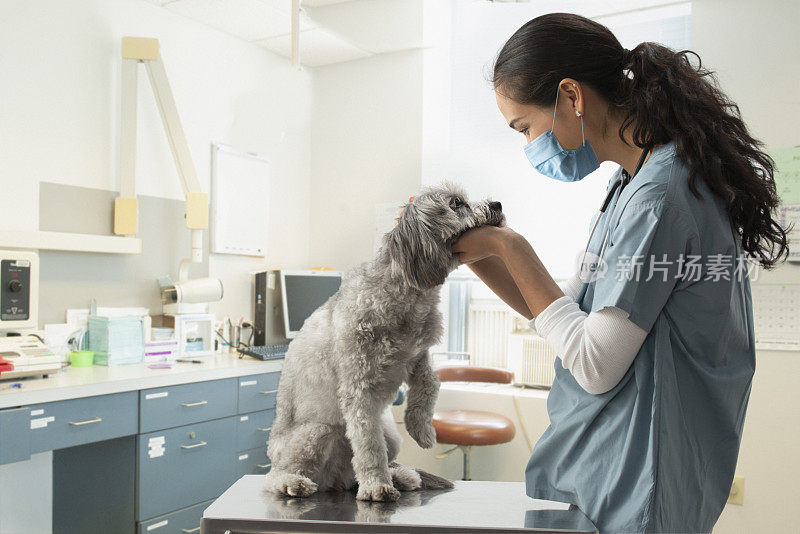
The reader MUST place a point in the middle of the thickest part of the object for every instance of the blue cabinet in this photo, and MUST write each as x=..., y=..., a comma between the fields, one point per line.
x=15, y=436
x=153, y=459
x=252, y=462
x=56, y=425
x=183, y=521
x=258, y=392
x=183, y=466
x=197, y=439
x=188, y=403
x=252, y=429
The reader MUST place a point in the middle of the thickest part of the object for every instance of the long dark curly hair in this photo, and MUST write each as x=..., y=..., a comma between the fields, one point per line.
x=662, y=97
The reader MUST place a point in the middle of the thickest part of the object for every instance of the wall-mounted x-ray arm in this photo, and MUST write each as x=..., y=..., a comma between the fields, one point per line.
x=136, y=50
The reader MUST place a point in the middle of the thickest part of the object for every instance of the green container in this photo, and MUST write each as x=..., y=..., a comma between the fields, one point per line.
x=81, y=358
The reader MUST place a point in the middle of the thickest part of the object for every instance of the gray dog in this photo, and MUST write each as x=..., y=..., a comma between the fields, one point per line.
x=333, y=427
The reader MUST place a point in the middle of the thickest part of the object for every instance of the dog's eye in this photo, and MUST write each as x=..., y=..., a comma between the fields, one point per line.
x=455, y=203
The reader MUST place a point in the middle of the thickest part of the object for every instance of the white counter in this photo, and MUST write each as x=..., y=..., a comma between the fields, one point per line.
x=75, y=382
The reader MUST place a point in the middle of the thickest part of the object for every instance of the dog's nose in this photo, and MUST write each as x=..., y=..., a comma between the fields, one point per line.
x=496, y=206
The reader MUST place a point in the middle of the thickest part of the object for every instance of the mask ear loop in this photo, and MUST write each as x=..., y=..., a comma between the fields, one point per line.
x=580, y=115
x=582, y=135
x=555, y=110
x=552, y=126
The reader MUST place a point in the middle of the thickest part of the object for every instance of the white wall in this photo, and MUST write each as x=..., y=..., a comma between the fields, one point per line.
x=751, y=46
x=366, y=138
x=59, y=107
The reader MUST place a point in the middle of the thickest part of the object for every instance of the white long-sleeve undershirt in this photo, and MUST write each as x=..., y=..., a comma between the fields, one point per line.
x=596, y=348
x=572, y=286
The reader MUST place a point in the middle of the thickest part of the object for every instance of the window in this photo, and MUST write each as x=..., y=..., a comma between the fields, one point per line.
x=486, y=156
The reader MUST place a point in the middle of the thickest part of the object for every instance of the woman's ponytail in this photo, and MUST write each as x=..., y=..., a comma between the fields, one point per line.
x=661, y=96
x=666, y=97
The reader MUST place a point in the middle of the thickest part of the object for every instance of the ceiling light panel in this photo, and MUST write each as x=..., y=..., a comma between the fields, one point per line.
x=318, y=3
x=248, y=19
x=317, y=48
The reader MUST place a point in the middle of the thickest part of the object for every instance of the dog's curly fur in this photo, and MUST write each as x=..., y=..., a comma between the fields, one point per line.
x=333, y=428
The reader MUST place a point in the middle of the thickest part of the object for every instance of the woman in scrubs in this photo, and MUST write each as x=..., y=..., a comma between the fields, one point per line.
x=655, y=332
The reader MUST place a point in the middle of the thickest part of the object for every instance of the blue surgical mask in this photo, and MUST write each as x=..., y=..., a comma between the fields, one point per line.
x=549, y=158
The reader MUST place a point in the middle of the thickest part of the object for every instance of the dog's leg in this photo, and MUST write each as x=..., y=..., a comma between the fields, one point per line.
x=291, y=484
x=403, y=478
x=303, y=450
x=362, y=415
x=392, y=436
x=423, y=388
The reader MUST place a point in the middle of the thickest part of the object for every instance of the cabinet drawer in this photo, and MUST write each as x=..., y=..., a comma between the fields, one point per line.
x=183, y=466
x=258, y=392
x=252, y=429
x=252, y=462
x=188, y=403
x=55, y=425
x=183, y=521
x=15, y=435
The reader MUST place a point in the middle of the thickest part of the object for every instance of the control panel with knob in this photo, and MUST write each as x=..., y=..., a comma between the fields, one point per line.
x=19, y=284
x=15, y=286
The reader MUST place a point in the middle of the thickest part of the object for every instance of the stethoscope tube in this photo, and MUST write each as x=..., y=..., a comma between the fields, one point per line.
x=620, y=184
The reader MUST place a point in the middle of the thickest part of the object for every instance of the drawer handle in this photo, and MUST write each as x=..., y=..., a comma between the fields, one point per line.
x=268, y=392
x=187, y=530
x=201, y=444
x=263, y=466
x=190, y=404
x=87, y=422
x=265, y=429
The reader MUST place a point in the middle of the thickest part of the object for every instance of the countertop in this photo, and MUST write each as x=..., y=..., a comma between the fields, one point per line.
x=471, y=506
x=76, y=382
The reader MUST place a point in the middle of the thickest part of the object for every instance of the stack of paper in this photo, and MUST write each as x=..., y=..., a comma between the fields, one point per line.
x=116, y=340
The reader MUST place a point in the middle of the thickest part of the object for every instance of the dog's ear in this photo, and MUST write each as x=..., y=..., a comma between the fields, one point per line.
x=416, y=253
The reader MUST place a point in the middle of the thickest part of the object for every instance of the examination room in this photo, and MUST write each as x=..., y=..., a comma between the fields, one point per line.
x=399, y=266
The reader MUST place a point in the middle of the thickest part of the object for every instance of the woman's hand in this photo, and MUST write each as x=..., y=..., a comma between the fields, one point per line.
x=510, y=267
x=481, y=242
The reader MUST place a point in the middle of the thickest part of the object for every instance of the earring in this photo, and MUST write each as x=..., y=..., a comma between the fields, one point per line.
x=578, y=113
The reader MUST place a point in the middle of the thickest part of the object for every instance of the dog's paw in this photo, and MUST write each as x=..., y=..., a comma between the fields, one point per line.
x=290, y=484
x=377, y=492
x=424, y=435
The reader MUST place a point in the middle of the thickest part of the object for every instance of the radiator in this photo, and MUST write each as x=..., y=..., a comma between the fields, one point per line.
x=489, y=326
x=531, y=360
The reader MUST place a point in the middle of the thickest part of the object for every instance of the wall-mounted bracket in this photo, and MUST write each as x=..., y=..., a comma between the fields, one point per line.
x=136, y=50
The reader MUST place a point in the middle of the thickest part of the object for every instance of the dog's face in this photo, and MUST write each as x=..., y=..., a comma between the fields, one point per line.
x=419, y=246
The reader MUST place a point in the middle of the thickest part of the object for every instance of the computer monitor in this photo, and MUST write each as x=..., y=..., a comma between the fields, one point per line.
x=302, y=292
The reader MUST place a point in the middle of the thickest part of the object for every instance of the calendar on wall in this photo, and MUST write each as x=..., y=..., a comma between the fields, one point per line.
x=776, y=316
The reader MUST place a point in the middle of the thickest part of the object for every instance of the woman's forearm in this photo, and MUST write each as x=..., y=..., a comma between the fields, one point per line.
x=533, y=282
x=493, y=272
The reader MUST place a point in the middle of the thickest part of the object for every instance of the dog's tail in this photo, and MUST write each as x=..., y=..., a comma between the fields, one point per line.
x=431, y=481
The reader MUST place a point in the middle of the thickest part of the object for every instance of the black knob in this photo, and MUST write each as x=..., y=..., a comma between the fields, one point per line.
x=15, y=286
x=496, y=206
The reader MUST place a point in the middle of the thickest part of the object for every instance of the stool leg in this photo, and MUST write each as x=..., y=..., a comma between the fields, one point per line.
x=466, y=450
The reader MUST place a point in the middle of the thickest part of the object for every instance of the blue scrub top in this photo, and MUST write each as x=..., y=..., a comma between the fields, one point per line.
x=658, y=452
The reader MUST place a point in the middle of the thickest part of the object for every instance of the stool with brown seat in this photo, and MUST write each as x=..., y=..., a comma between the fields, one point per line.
x=469, y=428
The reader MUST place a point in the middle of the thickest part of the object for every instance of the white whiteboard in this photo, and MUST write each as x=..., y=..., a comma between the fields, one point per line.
x=239, y=202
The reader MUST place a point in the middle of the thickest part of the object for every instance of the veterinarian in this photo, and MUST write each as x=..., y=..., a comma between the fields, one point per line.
x=654, y=333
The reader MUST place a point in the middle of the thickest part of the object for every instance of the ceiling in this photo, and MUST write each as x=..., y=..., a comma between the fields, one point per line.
x=331, y=31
